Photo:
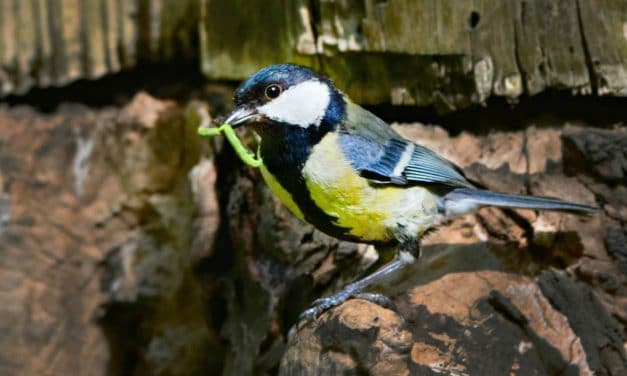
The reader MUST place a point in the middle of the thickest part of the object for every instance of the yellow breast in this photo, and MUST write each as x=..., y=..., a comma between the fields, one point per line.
x=371, y=212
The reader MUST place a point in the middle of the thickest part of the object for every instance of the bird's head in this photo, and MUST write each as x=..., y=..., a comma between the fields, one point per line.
x=287, y=95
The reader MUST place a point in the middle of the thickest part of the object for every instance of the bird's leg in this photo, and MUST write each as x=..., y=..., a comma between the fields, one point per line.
x=408, y=253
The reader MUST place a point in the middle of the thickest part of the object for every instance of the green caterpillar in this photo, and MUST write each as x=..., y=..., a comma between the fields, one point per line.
x=243, y=153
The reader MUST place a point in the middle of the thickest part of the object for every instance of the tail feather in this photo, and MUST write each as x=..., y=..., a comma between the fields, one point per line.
x=463, y=199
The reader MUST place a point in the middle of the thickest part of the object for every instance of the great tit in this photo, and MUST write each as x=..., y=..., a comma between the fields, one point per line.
x=342, y=169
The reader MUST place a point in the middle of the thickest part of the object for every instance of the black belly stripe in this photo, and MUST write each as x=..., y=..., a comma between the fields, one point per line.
x=285, y=149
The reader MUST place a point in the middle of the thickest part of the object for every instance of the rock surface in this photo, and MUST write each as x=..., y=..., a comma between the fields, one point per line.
x=515, y=248
x=130, y=245
x=447, y=326
x=482, y=289
x=97, y=261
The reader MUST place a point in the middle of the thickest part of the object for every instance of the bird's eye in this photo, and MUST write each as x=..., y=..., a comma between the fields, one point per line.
x=273, y=91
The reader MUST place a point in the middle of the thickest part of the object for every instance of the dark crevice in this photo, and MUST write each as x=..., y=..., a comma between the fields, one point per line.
x=473, y=19
x=179, y=81
x=519, y=64
x=492, y=233
x=599, y=336
x=314, y=10
x=586, y=51
x=549, y=355
x=507, y=309
x=525, y=153
x=123, y=336
x=315, y=19
x=183, y=80
x=548, y=109
x=143, y=28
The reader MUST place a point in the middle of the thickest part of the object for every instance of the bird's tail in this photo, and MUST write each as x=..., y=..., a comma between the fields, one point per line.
x=462, y=200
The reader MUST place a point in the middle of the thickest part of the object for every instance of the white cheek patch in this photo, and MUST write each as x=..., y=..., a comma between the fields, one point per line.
x=303, y=104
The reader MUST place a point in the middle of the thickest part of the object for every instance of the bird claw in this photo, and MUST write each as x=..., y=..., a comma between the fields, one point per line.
x=321, y=305
x=378, y=299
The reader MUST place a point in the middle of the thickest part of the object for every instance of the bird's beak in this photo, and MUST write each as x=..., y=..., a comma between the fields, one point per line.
x=242, y=115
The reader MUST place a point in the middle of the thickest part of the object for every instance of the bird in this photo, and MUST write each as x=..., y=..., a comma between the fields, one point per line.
x=340, y=168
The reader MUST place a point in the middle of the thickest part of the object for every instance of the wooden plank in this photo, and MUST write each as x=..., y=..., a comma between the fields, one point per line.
x=403, y=26
x=178, y=39
x=560, y=37
x=493, y=45
x=112, y=34
x=57, y=47
x=604, y=27
x=43, y=40
x=8, y=48
x=93, y=43
x=26, y=42
x=240, y=36
x=464, y=51
x=129, y=38
x=529, y=49
x=54, y=42
x=70, y=38
x=459, y=51
x=356, y=39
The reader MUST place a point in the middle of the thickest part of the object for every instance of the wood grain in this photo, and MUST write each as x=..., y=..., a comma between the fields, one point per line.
x=54, y=42
x=447, y=53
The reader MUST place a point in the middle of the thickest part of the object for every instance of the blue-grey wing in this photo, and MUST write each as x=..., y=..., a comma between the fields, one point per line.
x=379, y=153
x=425, y=166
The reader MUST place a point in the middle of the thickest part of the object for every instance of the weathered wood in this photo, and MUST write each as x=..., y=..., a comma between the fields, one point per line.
x=604, y=27
x=237, y=37
x=54, y=42
x=448, y=53
x=494, y=55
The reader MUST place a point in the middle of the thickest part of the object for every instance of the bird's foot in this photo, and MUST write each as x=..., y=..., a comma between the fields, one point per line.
x=321, y=305
x=354, y=290
x=378, y=299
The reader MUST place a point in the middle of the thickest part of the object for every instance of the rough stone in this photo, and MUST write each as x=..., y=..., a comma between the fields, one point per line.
x=96, y=272
x=480, y=290
x=445, y=326
x=599, y=151
x=126, y=240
